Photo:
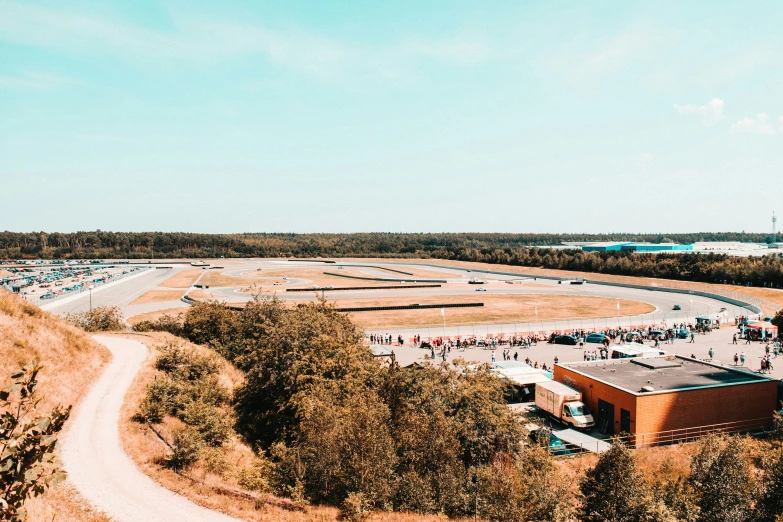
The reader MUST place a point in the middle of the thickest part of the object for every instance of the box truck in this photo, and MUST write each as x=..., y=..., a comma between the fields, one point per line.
x=564, y=404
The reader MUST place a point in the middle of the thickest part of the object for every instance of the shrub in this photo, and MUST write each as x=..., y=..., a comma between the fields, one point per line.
x=164, y=323
x=185, y=449
x=356, y=508
x=27, y=463
x=213, y=427
x=100, y=319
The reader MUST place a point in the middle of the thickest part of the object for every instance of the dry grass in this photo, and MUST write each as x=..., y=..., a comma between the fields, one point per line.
x=152, y=316
x=158, y=296
x=216, y=278
x=202, y=295
x=209, y=487
x=71, y=361
x=182, y=279
x=497, y=308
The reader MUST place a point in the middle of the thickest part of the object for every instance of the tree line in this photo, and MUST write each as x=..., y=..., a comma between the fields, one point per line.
x=509, y=249
x=141, y=245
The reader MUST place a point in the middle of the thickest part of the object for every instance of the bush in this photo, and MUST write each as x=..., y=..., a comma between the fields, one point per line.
x=100, y=319
x=27, y=463
x=209, y=421
x=356, y=508
x=185, y=449
x=164, y=323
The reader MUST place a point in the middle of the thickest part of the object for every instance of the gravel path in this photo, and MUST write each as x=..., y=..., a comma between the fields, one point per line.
x=96, y=463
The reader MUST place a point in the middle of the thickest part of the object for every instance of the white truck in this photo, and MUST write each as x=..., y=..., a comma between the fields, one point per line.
x=564, y=404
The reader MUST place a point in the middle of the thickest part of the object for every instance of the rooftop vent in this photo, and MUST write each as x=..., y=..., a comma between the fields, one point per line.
x=647, y=389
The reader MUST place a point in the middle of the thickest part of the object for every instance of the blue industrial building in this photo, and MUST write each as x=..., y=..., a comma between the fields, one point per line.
x=635, y=247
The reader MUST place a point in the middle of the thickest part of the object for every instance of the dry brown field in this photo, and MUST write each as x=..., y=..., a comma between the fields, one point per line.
x=182, y=279
x=158, y=296
x=496, y=309
x=151, y=316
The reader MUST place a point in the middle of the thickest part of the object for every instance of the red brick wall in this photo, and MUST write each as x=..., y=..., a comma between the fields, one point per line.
x=677, y=410
x=703, y=407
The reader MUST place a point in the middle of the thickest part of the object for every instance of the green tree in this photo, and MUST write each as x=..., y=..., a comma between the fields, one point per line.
x=778, y=320
x=615, y=491
x=721, y=475
x=27, y=461
x=100, y=319
x=769, y=504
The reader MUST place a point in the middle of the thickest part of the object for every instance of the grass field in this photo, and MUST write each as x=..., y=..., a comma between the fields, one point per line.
x=158, y=296
x=496, y=309
x=182, y=279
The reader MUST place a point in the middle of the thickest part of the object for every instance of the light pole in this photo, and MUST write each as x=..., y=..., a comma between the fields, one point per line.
x=90, y=289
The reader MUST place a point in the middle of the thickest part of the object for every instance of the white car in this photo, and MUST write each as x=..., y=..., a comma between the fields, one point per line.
x=481, y=289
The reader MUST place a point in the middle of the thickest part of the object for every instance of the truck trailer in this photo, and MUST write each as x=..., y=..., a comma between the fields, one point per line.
x=564, y=404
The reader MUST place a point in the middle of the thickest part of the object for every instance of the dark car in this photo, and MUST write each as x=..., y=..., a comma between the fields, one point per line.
x=566, y=339
x=595, y=338
x=545, y=437
x=677, y=307
x=657, y=334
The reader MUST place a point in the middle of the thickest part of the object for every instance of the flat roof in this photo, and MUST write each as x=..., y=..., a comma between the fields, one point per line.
x=663, y=374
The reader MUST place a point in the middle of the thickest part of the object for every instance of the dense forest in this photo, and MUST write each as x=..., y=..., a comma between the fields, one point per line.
x=511, y=249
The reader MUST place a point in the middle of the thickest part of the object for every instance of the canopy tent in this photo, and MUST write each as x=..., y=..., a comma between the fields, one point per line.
x=770, y=328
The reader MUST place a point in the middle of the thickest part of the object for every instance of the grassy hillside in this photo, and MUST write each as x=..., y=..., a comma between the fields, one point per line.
x=71, y=361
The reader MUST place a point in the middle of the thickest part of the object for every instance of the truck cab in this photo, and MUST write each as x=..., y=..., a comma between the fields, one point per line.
x=576, y=414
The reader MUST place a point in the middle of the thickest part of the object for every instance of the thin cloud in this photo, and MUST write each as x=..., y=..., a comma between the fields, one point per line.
x=761, y=124
x=710, y=113
x=201, y=40
x=646, y=159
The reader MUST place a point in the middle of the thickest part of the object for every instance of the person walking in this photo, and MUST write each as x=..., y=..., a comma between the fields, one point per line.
x=734, y=339
x=493, y=356
x=693, y=337
x=742, y=358
x=712, y=353
x=736, y=358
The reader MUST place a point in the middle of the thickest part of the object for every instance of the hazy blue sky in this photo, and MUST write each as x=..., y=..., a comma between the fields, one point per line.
x=390, y=116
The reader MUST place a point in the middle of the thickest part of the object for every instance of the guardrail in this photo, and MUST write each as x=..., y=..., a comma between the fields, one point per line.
x=665, y=438
x=341, y=288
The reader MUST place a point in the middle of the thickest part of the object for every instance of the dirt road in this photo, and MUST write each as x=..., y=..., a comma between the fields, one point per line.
x=96, y=463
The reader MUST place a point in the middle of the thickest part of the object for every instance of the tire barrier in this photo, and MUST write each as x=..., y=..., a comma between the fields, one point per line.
x=359, y=288
x=312, y=261
x=409, y=307
x=411, y=280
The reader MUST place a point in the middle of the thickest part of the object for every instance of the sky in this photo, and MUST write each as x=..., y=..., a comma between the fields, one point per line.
x=404, y=116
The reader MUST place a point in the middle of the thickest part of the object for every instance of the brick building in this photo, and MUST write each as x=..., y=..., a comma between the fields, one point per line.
x=647, y=396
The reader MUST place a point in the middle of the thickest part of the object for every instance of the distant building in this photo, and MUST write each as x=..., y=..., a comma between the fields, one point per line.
x=608, y=246
x=656, y=247
x=664, y=397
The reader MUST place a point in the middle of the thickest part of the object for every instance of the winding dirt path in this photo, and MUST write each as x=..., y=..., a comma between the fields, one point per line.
x=96, y=463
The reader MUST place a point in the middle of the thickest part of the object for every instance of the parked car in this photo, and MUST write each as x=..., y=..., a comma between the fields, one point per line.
x=657, y=334
x=556, y=446
x=595, y=338
x=566, y=339
x=676, y=307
